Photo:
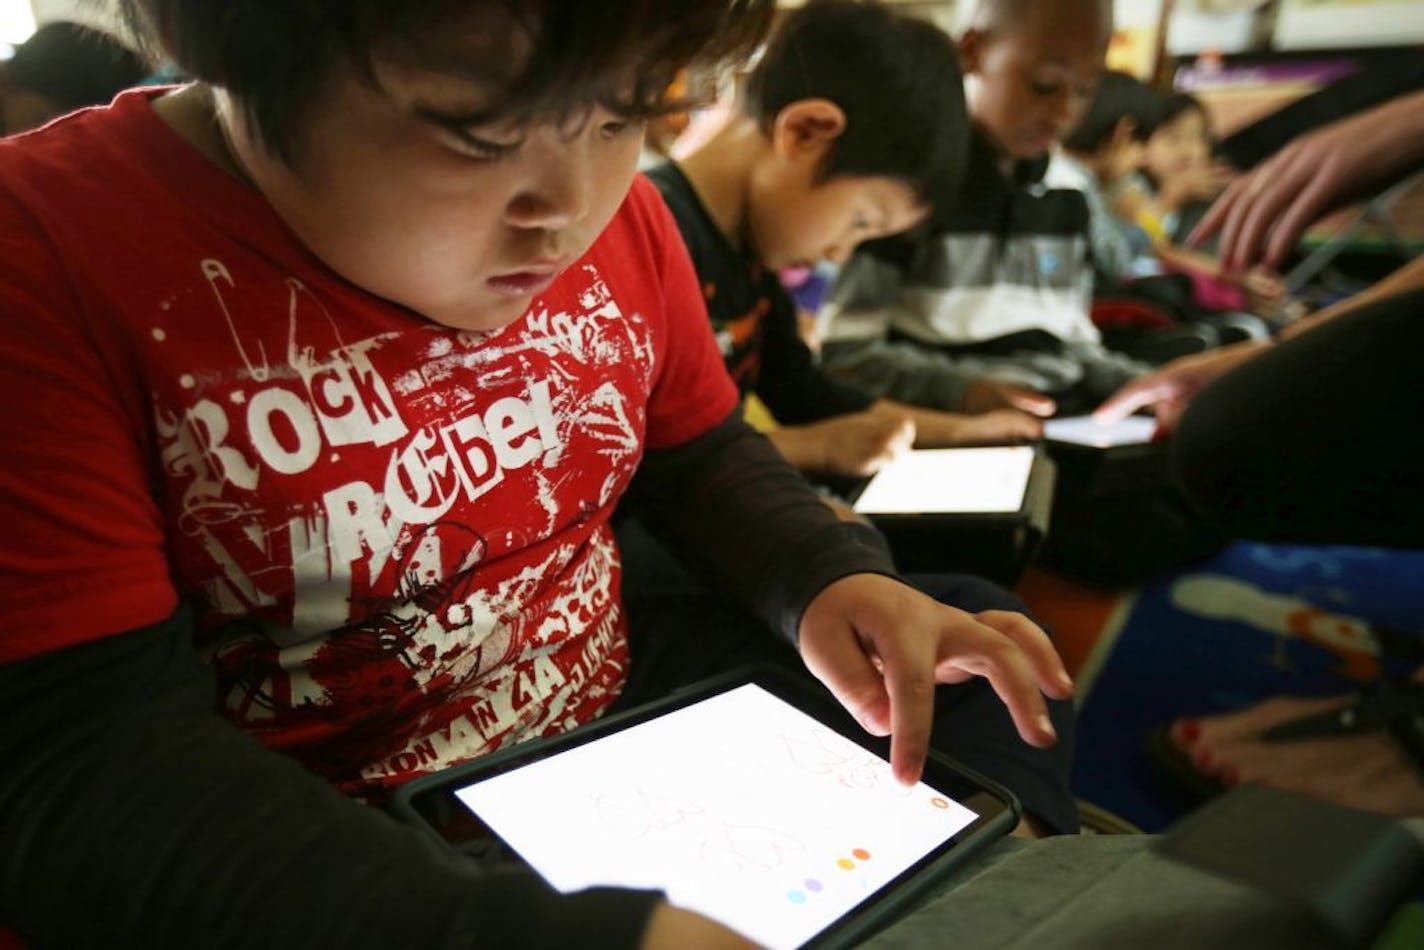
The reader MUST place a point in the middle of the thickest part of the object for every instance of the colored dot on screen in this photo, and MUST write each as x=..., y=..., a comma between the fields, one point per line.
x=796, y=897
x=939, y=803
x=845, y=863
x=813, y=885
x=862, y=854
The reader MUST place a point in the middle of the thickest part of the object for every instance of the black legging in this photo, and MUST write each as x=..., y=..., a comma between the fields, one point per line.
x=1319, y=440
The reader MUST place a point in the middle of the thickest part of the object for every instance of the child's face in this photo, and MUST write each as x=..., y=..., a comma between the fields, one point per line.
x=1179, y=146
x=1029, y=84
x=798, y=221
x=462, y=223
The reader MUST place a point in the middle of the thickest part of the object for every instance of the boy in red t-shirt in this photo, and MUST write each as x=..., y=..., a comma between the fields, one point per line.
x=350, y=349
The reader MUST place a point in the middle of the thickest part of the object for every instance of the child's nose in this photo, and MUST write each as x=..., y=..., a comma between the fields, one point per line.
x=556, y=195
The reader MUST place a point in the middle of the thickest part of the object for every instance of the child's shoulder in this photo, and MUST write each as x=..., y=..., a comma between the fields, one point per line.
x=83, y=145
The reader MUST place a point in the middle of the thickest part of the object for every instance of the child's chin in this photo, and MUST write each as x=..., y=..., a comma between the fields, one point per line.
x=489, y=316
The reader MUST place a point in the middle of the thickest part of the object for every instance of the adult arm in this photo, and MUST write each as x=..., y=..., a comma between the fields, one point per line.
x=1407, y=278
x=1170, y=389
x=1262, y=214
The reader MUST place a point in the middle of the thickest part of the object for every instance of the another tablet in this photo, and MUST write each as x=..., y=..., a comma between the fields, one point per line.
x=1107, y=459
x=1085, y=430
x=737, y=800
x=968, y=481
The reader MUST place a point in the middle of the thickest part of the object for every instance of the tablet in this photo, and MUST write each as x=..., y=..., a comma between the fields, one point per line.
x=990, y=480
x=735, y=799
x=1085, y=430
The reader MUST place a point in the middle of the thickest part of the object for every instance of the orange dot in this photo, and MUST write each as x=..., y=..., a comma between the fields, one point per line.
x=861, y=853
x=845, y=864
x=939, y=803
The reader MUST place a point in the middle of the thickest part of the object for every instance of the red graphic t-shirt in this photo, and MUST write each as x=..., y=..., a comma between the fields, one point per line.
x=396, y=534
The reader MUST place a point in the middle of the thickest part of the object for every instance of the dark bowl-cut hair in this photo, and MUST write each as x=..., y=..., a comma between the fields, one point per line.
x=1175, y=105
x=897, y=80
x=1119, y=96
x=272, y=56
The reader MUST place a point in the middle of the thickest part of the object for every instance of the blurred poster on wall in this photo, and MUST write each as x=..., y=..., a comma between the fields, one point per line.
x=1318, y=24
x=1218, y=26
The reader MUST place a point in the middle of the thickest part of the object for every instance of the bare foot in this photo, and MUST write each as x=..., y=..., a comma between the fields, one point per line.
x=1366, y=771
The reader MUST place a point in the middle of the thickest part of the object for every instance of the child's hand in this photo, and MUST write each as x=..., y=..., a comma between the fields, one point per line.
x=1002, y=425
x=985, y=395
x=880, y=646
x=860, y=444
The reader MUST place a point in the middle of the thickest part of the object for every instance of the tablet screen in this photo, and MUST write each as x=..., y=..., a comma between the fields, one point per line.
x=1084, y=430
x=951, y=481
x=740, y=807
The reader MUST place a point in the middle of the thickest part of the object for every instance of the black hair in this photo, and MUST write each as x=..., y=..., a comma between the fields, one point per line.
x=1175, y=105
x=272, y=56
x=73, y=66
x=897, y=80
x=1119, y=96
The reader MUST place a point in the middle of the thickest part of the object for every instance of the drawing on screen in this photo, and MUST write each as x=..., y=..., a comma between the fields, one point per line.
x=849, y=764
x=743, y=848
x=724, y=844
x=640, y=811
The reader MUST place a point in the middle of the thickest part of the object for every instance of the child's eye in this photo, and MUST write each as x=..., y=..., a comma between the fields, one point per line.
x=860, y=222
x=478, y=147
x=613, y=128
x=461, y=130
x=1041, y=88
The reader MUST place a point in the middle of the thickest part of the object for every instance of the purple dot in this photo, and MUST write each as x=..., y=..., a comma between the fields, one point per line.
x=797, y=897
x=813, y=885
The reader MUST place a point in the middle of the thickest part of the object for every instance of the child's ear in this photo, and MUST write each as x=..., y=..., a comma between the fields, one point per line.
x=971, y=50
x=1125, y=132
x=807, y=126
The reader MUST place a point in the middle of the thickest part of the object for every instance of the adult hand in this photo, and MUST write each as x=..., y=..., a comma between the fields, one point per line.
x=1169, y=389
x=1262, y=215
x=880, y=647
x=985, y=395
